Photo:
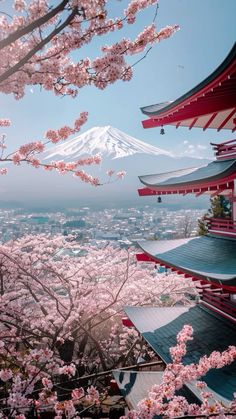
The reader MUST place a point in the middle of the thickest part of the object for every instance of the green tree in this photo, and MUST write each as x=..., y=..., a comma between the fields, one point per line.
x=202, y=226
x=220, y=208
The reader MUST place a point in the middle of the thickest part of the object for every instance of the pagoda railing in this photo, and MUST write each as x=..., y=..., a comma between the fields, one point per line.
x=226, y=150
x=222, y=226
x=220, y=302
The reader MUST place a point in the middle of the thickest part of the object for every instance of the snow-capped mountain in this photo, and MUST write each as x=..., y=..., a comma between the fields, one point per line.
x=107, y=141
x=119, y=152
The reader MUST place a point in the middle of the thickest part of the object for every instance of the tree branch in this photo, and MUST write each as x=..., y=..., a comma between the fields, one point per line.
x=37, y=48
x=33, y=25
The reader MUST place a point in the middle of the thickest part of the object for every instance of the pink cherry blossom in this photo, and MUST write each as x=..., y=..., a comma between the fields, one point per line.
x=5, y=122
x=3, y=171
x=121, y=174
x=6, y=374
x=110, y=173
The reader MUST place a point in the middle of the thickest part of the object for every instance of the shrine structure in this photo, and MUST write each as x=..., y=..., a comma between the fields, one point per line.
x=210, y=260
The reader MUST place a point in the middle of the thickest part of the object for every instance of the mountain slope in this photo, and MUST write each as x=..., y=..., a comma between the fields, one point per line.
x=107, y=141
x=119, y=152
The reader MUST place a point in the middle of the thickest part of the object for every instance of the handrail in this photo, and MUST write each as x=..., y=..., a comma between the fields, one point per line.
x=221, y=144
x=219, y=302
x=221, y=220
x=226, y=225
x=225, y=150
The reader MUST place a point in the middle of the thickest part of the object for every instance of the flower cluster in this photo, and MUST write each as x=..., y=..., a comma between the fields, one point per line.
x=135, y=6
x=63, y=133
x=3, y=171
x=69, y=370
x=40, y=52
x=5, y=122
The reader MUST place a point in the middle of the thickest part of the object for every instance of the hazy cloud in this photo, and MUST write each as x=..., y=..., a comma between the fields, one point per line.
x=193, y=150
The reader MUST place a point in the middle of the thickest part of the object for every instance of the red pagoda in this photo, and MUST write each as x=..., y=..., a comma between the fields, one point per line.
x=210, y=259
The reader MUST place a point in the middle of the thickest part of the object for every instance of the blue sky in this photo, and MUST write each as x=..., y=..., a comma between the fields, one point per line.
x=173, y=67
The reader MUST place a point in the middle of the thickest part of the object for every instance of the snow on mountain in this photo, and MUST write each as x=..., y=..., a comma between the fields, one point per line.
x=107, y=141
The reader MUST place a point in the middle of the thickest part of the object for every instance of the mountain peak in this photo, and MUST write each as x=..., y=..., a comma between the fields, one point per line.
x=107, y=141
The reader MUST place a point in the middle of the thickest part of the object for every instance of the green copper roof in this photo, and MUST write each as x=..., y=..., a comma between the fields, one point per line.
x=159, y=327
x=210, y=258
x=213, y=171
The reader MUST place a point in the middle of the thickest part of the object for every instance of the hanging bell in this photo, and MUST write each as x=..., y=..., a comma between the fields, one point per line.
x=159, y=199
x=162, y=131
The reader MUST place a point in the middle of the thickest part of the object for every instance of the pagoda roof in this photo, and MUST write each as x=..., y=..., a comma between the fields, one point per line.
x=134, y=385
x=159, y=327
x=205, y=257
x=214, y=173
x=211, y=104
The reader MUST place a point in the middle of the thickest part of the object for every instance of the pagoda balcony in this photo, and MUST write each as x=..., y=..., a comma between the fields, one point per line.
x=221, y=226
x=220, y=303
x=226, y=150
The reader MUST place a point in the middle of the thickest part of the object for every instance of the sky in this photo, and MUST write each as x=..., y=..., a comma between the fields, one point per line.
x=207, y=33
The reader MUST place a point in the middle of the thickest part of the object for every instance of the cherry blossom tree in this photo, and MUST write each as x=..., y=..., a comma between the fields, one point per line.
x=60, y=322
x=49, y=295
x=60, y=315
x=37, y=42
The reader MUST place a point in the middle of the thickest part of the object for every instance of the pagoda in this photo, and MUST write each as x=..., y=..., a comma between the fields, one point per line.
x=210, y=260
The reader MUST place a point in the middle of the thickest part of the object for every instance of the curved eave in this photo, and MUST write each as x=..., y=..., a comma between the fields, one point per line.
x=158, y=325
x=210, y=104
x=208, y=258
x=213, y=175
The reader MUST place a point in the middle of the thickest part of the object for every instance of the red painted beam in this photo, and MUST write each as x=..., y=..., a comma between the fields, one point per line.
x=147, y=192
x=209, y=121
x=148, y=123
x=127, y=322
x=224, y=143
x=193, y=123
x=143, y=257
x=191, y=111
x=210, y=186
x=226, y=120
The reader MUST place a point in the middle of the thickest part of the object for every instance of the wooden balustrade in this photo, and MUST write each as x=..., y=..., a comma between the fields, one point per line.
x=226, y=150
x=223, y=226
x=220, y=302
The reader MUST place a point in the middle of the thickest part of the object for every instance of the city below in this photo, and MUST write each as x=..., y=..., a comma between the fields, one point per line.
x=121, y=227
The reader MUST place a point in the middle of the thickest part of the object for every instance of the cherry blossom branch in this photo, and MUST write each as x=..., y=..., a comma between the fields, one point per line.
x=4, y=76
x=33, y=25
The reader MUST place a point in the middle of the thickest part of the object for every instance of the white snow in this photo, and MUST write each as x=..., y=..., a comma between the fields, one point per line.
x=107, y=141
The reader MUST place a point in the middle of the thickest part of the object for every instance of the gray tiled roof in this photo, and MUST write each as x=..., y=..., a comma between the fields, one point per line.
x=213, y=171
x=159, y=327
x=134, y=386
x=211, y=258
